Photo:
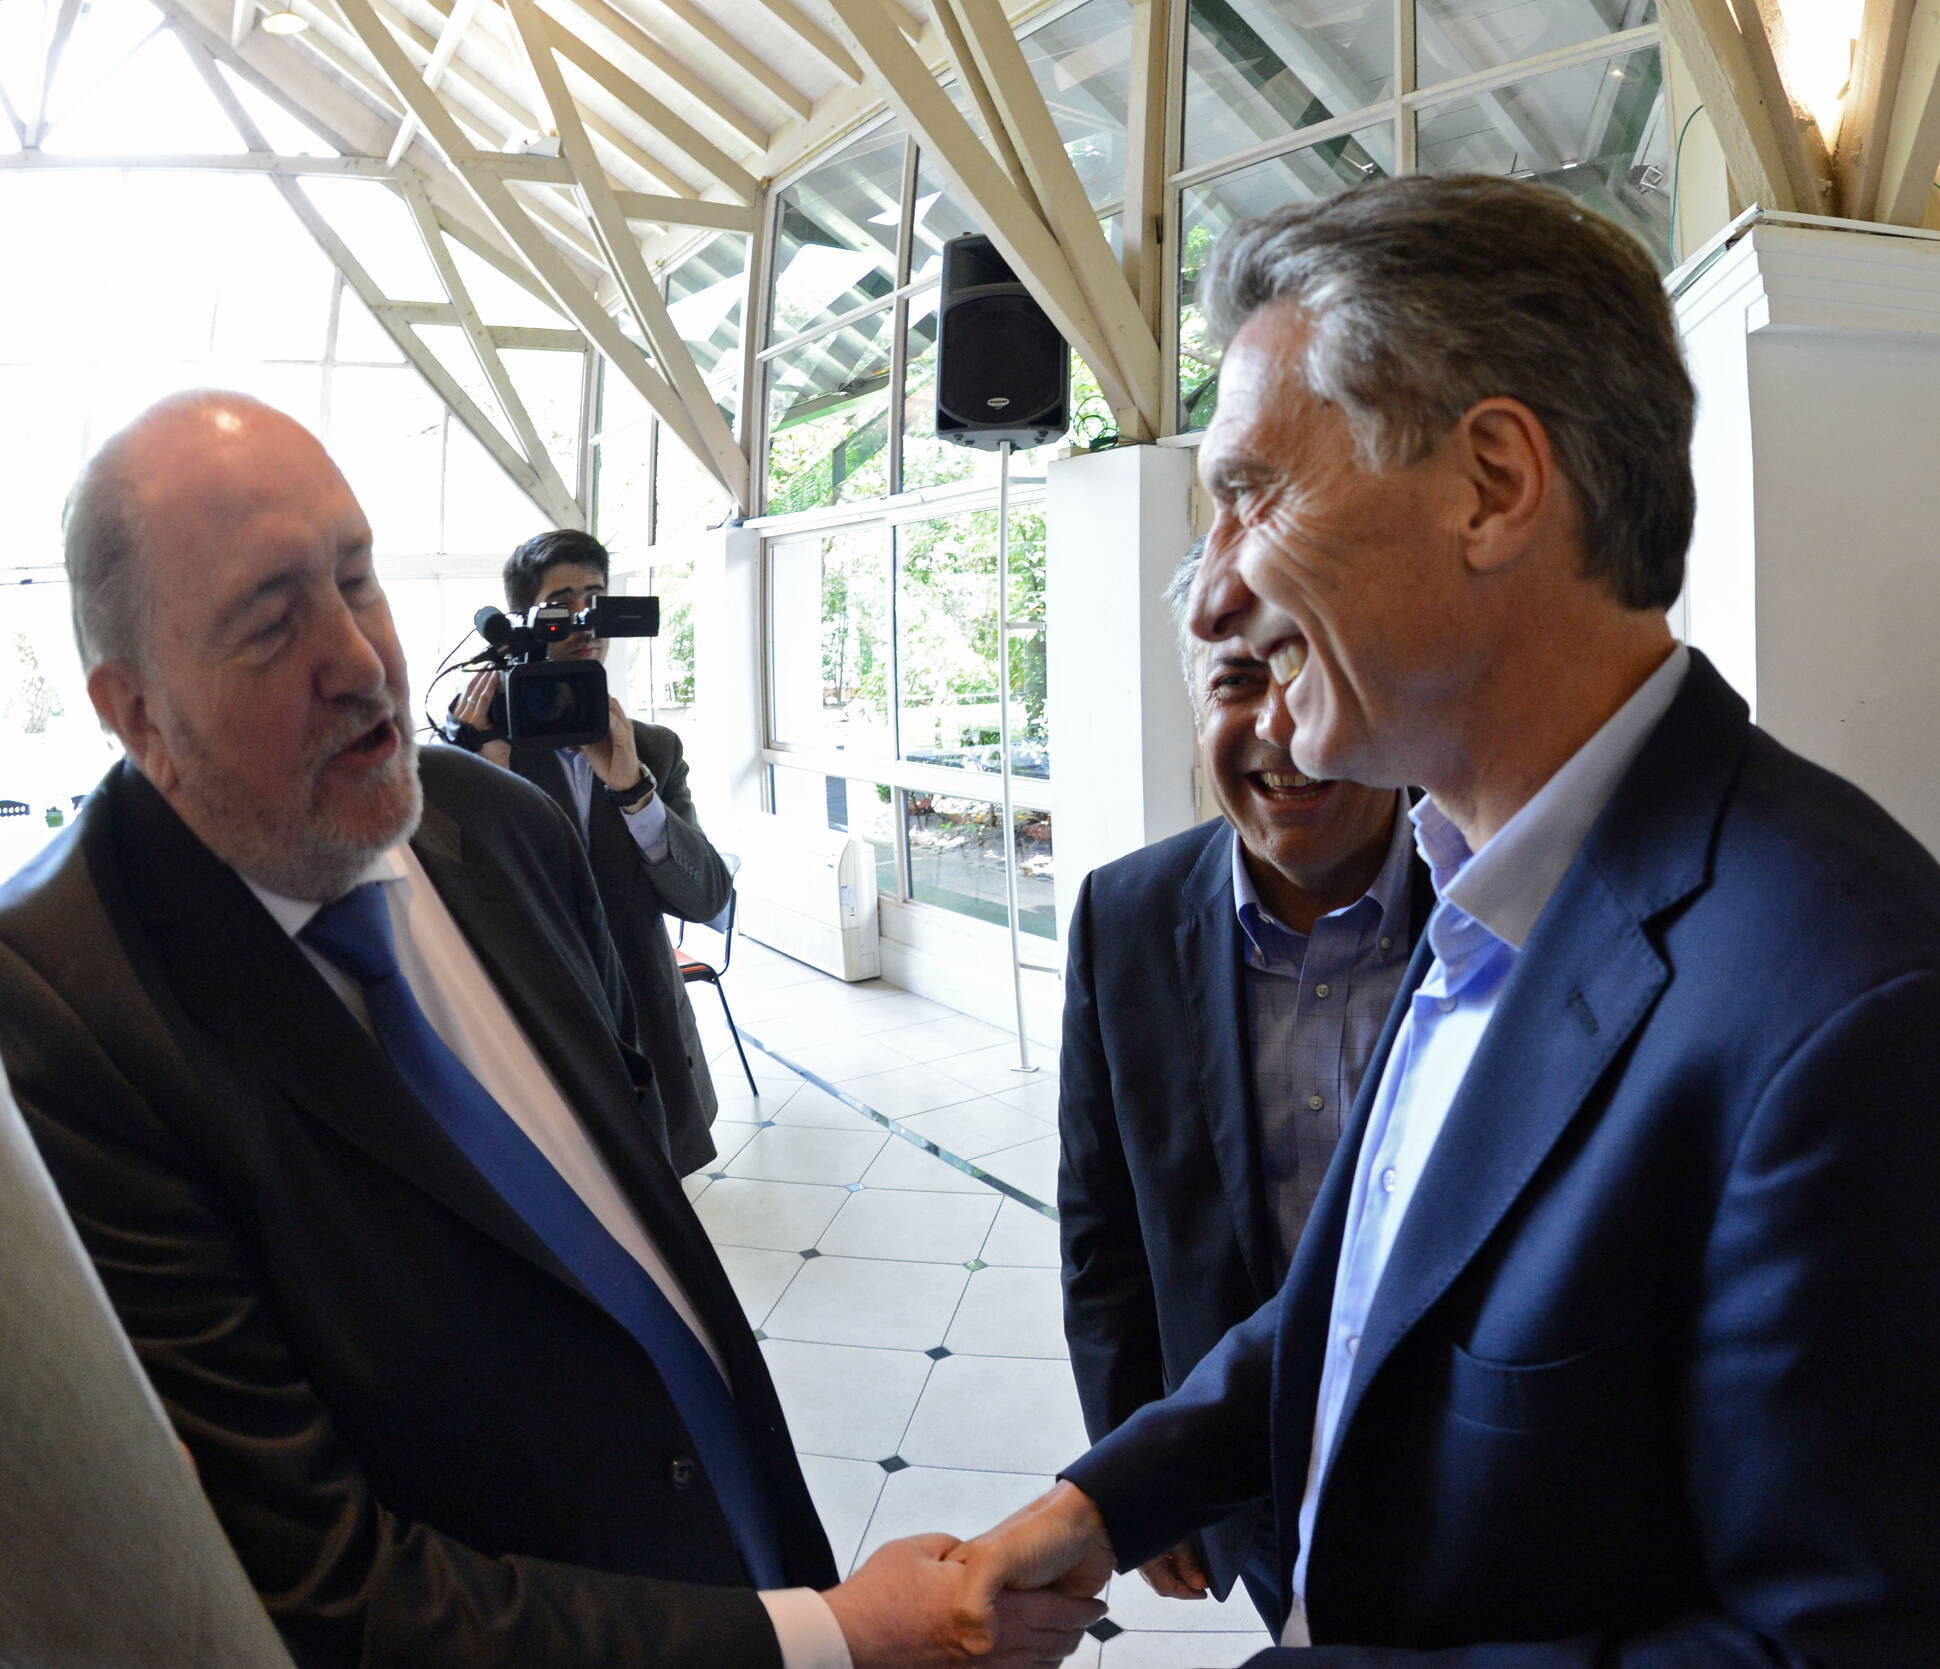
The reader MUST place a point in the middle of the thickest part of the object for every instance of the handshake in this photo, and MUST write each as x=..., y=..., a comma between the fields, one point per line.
x=1021, y=1594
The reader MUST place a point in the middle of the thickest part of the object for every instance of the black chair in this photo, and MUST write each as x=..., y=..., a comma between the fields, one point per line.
x=13, y=808
x=693, y=971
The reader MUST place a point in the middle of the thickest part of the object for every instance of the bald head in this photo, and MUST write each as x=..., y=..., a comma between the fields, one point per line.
x=239, y=643
x=196, y=447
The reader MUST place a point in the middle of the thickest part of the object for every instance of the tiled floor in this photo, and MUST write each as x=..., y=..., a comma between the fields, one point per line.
x=908, y=1302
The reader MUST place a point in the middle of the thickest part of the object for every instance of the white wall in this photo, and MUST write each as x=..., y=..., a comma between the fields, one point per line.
x=1117, y=524
x=1815, y=576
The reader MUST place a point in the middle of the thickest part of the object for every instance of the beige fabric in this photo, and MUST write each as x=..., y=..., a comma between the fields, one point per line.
x=109, y=1556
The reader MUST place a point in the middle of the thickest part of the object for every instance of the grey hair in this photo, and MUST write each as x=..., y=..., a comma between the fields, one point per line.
x=1427, y=294
x=101, y=533
x=1178, y=592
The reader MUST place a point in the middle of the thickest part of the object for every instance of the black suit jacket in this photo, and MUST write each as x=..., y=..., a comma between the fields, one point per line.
x=1167, y=1231
x=427, y=1444
x=1649, y=1380
x=691, y=882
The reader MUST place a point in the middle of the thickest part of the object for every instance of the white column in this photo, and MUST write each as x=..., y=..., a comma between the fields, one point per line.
x=1815, y=580
x=725, y=736
x=1117, y=525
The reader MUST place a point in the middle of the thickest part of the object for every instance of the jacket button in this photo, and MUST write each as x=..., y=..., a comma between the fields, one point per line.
x=682, y=1472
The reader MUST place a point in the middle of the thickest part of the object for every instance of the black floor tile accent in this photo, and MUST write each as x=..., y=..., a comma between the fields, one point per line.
x=895, y=1463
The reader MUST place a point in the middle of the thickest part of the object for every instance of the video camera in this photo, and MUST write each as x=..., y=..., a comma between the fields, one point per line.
x=561, y=704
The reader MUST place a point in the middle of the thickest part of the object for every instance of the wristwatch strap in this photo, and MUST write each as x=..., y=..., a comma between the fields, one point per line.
x=624, y=797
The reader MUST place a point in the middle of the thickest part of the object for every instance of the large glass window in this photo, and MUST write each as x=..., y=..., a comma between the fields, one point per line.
x=830, y=616
x=957, y=854
x=1257, y=70
x=828, y=417
x=1259, y=73
x=836, y=235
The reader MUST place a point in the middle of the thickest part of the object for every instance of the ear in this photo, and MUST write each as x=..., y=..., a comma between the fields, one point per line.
x=1502, y=449
x=121, y=702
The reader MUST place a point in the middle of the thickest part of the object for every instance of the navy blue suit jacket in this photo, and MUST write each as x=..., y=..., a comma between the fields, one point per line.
x=1168, y=1235
x=1649, y=1382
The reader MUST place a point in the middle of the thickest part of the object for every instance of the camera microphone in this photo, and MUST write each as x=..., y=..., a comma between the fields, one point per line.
x=492, y=625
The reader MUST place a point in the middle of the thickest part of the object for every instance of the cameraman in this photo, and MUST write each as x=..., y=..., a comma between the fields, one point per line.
x=627, y=794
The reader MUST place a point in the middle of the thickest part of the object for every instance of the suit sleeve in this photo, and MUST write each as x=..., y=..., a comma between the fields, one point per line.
x=691, y=881
x=1811, y=1467
x=1111, y=1320
x=347, y=1577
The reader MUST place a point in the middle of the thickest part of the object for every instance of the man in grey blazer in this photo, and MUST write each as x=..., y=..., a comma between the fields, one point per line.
x=113, y=1558
x=628, y=797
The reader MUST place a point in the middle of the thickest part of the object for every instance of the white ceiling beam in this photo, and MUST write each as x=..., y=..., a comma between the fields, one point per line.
x=242, y=19
x=1913, y=141
x=216, y=162
x=1067, y=208
x=1142, y=222
x=1800, y=145
x=511, y=402
x=57, y=37
x=709, y=95
x=353, y=121
x=1859, y=156
x=678, y=132
x=537, y=484
x=973, y=174
x=544, y=338
x=13, y=116
x=731, y=47
x=813, y=36
x=963, y=60
x=506, y=212
x=724, y=459
x=450, y=33
x=1707, y=37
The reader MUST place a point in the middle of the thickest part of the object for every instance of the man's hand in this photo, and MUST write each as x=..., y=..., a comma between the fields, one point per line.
x=909, y=1607
x=1178, y=1574
x=474, y=710
x=1057, y=1542
x=615, y=761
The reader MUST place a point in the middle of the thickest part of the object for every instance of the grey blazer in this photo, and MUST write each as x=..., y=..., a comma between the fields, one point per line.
x=113, y=1558
x=692, y=883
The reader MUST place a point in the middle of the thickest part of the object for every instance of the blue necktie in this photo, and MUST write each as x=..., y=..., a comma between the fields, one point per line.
x=355, y=934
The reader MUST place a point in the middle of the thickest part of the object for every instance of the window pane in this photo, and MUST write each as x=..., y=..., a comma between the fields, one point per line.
x=1597, y=131
x=687, y=498
x=670, y=656
x=486, y=513
x=946, y=625
x=1082, y=65
x=829, y=623
x=1459, y=37
x=51, y=745
x=862, y=808
x=835, y=237
x=1258, y=69
x=623, y=488
x=957, y=853
x=935, y=218
x=704, y=296
x=1304, y=175
x=387, y=436
x=828, y=418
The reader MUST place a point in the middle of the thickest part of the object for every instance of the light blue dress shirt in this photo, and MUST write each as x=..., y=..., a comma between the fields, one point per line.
x=1315, y=1006
x=1487, y=906
x=648, y=825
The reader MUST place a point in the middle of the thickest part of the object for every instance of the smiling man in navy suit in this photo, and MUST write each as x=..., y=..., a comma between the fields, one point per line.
x=1223, y=993
x=1611, y=1340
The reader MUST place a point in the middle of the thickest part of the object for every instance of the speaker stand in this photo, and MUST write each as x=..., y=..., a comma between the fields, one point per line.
x=1003, y=745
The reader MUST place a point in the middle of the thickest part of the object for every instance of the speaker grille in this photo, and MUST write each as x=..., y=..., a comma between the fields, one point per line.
x=1005, y=361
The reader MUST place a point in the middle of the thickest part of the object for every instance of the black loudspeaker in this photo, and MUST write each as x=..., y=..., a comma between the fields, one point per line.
x=1002, y=373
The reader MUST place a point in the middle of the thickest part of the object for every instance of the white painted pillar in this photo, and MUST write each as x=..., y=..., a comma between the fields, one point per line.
x=1117, y=525
x=725, y=735
x=1815, y=571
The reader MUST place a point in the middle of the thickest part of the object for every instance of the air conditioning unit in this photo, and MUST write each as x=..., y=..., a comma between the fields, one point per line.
x=809, y=893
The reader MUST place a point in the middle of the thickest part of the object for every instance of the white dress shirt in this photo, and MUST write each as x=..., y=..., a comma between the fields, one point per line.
x=648, y=825
x=1487, y=905
x=468, y=1014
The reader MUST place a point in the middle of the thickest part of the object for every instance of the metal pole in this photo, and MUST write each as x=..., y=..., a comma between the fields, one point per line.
x=1003, y=744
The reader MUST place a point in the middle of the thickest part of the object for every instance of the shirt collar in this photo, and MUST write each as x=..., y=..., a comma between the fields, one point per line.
x=1389, y=890
x=1507, y=884
x=293, y=914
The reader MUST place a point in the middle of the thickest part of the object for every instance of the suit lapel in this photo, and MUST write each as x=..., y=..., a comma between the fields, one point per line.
x=1209, y=953
x=230, y=965
x=1581, y=988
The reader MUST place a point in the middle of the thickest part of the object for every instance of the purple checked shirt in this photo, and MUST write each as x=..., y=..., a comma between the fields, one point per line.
x=1315, y=1005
